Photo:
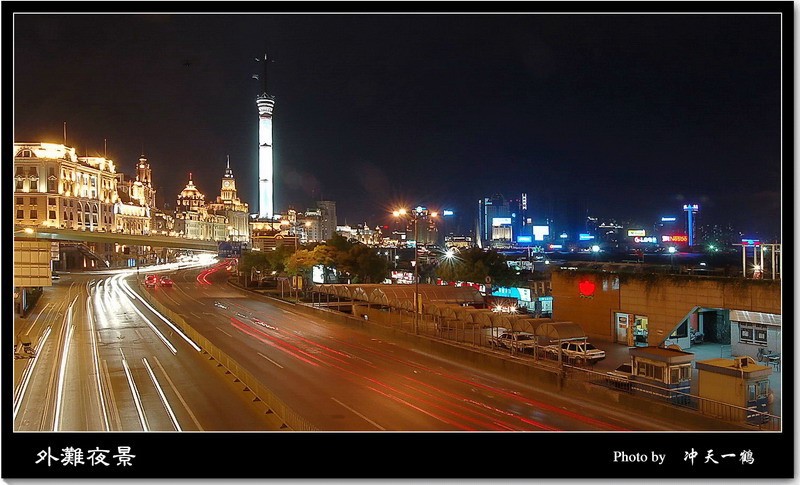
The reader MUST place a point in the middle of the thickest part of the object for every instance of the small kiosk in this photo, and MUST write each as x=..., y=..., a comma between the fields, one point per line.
x=664, y=368
x=740, y=382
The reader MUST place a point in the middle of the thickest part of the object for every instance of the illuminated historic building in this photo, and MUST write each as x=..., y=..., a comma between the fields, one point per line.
x=53, y=187
x=229, y=205
x=192, y=218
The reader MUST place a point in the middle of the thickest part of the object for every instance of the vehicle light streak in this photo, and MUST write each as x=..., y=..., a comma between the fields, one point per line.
x=465, y=408
x=161, y=394
x=96, y=359
x=156, y=330
x=135, y=393
x=64, y=356
x=62, y=370
x=20, y=394
x=251, y=333
x=574, y=415
x=165, y=320
x=445, y=420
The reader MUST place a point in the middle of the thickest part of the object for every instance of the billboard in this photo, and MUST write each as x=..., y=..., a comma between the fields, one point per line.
x=636, y=232
x=524, y=239
x=669, y=219
x=751, y=242
x=585, y=237
x=539, y=232
x=675, y=238
x=501, y=221
x=32, y=264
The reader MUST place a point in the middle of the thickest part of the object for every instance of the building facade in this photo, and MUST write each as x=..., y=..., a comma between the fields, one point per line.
x=53, y=187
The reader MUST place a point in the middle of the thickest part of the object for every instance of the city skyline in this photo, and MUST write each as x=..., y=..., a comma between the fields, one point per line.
x=348, y=124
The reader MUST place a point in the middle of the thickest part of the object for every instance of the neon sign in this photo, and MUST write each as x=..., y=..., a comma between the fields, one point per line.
x=645, y=239
x=586, y=288
x=675, y=238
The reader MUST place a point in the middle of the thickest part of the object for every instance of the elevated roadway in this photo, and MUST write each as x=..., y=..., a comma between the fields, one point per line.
x=155, y=240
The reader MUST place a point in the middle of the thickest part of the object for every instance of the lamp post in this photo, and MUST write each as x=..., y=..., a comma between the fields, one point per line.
x=416, y=214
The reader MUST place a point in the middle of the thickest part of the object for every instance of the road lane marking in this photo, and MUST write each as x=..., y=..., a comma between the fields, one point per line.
x=135, y=393
x=262, y=355
x=360, y=415
x=180, y=397
x=162, y=396
x=226, y=333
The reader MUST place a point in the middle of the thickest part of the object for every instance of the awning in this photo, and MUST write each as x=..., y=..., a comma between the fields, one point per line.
x=560, y=331
x=755, y=317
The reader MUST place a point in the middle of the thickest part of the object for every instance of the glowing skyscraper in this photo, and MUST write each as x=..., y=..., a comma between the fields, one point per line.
x=265, y=104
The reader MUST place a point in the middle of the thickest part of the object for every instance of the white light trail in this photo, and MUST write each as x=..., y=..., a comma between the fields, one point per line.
x=96, y=358
x=20, y=394
x=162, y=317
x=135, y=393
x=163, y=397
x=60, y=391
x=153, y=327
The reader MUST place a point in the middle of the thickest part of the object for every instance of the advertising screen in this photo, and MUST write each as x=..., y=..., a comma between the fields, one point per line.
x=501, y=221
x=539, y=232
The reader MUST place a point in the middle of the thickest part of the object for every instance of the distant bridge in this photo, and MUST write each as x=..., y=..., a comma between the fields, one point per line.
x=159, y=241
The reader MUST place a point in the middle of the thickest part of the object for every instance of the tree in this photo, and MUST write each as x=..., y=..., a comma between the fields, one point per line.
x=474, y=265
x=363, y=264
x=254, y=261
x=300, y=262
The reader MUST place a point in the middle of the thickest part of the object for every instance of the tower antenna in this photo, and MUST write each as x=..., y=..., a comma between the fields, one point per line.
x=266, y=60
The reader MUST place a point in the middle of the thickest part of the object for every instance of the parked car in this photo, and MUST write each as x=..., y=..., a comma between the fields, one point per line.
x=150, y=281
x=519, y=341
x=620, y=377
x=165, y=281
x=578, y=352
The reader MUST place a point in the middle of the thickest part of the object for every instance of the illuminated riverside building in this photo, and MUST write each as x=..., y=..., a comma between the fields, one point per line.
x=53, y=187
x=192, y=218
x=232, y=208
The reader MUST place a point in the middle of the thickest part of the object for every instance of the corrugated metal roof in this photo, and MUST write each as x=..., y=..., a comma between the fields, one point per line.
x=755, y=317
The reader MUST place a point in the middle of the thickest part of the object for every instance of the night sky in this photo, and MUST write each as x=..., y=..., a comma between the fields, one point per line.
x=628, y=115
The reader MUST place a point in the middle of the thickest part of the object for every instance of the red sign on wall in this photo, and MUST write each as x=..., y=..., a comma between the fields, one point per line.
x=586, y=288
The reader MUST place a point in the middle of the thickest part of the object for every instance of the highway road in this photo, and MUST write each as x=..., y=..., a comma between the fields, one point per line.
x=342, y=379
x=105, y=362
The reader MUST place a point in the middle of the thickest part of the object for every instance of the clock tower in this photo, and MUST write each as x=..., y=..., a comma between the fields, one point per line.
x=228, y=192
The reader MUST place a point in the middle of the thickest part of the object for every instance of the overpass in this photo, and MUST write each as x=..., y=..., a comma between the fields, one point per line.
x=159, y=241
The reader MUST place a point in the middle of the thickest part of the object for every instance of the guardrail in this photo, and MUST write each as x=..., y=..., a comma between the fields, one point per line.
x=708, y=407
x=291, y=419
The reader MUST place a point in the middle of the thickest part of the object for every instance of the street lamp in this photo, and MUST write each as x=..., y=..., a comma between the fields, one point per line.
x=416, y=214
